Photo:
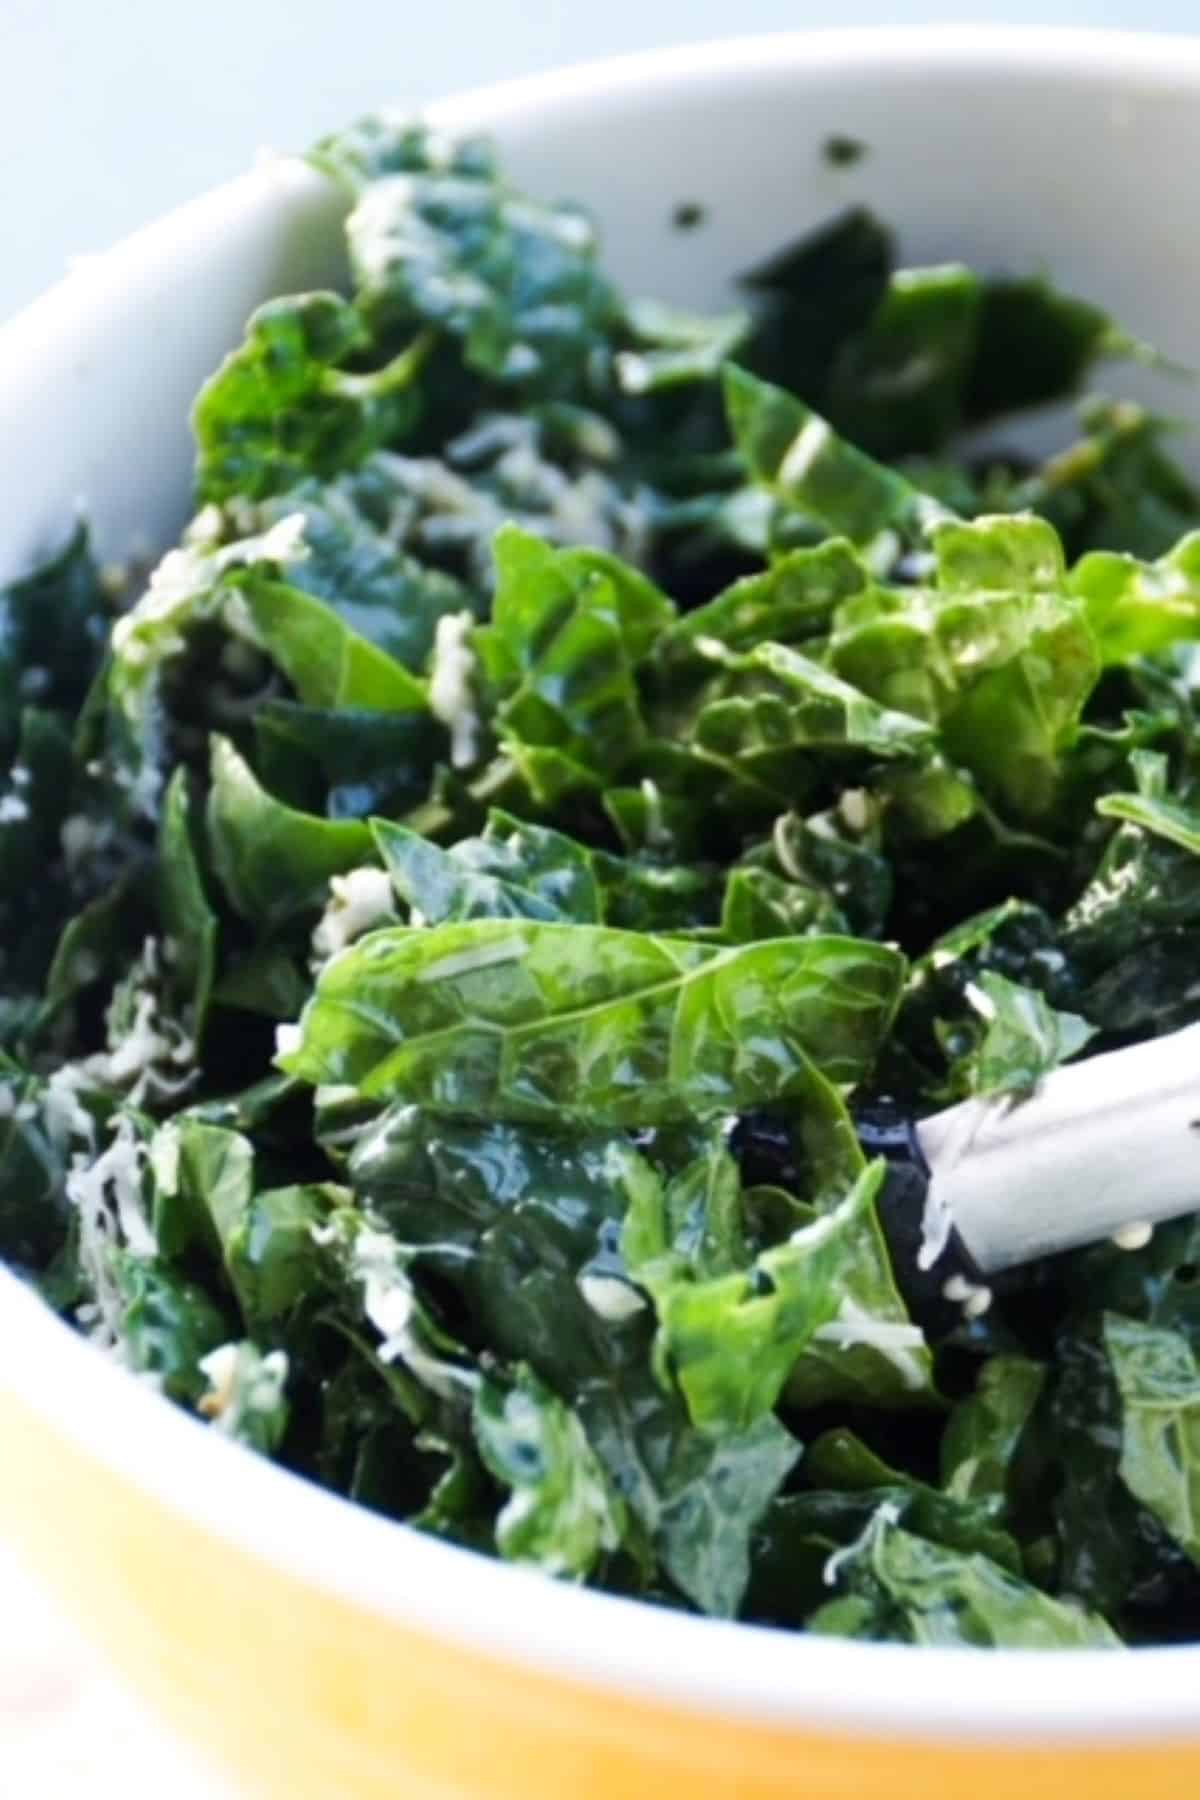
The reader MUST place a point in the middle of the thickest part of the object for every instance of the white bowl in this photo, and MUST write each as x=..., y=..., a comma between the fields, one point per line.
x=208, y=1571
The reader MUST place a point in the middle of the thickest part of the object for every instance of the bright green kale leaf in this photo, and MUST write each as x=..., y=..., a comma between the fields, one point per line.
x=899, y=1586
x=223, y=591
x=203, y=1180
x=1153, y=807
x=562, y=1513
x=790, y=603
x=1002, y=662
x=773, y=711
x=326, y=663
x=758, y=904
x=797, y=456
x=207, y=1190
x=816, y=1314
x=1158, y=1377
x=524, y=1021
x=1136, y=608
x=1021, y=1038
x=188, y=920
x=284, y=405
x=568, y=629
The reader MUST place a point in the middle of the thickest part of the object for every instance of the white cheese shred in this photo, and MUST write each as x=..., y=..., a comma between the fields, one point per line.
x=451, y=698
x=106, y=1192
x=358, y=902
x=892, y=1339
x=885, y=1514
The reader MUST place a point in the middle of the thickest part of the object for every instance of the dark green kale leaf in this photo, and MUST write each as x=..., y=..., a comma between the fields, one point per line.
x=34, y=1216
x=524, y=1227
x=188, y=920
x=383, y=143
x=1115, y=488
x=352, y=561
x=346, y=762
x=514, y=870
x=273, y=862
x=841, y=1462
x=984, y=1431
x=53, y=626
x=814, y=296
x=456, y=250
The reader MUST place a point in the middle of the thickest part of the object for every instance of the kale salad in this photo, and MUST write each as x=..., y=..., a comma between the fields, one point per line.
x=457, y=912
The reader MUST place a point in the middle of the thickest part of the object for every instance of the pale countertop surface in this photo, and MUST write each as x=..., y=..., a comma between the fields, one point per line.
x=112, y=115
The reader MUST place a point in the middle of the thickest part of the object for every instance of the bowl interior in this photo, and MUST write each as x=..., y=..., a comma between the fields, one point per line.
x=1018, y=151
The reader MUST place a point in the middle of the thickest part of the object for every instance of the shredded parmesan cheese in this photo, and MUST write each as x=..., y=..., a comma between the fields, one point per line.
x=106, y=1193
x=894, y=1340
x=610, y=1298
x=357, y=903
x=390, y=1304
x=240, y=1381
x=450, y=695
x=885, y=1514
x=972, y=1296
x=149, y=1055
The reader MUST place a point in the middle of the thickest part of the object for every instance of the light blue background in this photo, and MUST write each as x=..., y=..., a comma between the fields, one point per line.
x=112, y=111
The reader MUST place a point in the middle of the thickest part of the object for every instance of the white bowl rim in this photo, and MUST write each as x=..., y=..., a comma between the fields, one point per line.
x=646, y=1653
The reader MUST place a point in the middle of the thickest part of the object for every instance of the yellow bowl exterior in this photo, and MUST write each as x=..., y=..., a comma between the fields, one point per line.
x=303, y=1696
